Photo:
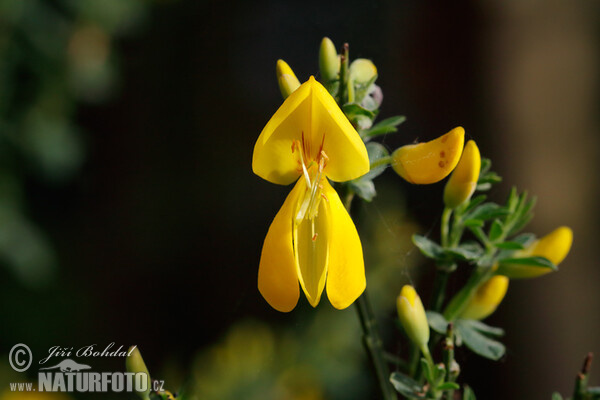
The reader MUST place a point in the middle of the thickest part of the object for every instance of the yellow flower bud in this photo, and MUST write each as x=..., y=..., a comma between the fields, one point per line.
x=486, y=300
x=413, y=318
x=286, y=78
x=432, y=161
x=463, y=181
x=554, y=246
x=329, y=62
x=135, y=363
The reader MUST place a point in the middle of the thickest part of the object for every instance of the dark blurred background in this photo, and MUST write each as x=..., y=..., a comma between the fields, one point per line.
x=129, y=212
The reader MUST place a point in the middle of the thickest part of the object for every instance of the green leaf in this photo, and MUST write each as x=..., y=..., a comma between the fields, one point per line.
x=406, y=386
x=594, y=390
x=556, y=396
x=376, y=152
x=448, y=386
x=524, y=239
x=363, y=188
x=496, y=230
x=475, y=201
x=487, y=211
x=510, y=246
x=381, y=128
x=352, y=110
x=541, y=262
x=484, y=328
x=474, y=223
x=429, y=248
x=468, y=394
x=437, y=322
x=479, y=343
x=468, y=251
x=428, y=370
x=486, y=164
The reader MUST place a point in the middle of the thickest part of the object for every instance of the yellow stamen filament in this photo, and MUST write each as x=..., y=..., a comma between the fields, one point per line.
x=310, y=204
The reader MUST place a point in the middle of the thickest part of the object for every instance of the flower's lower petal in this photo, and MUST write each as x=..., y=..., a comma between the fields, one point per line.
x=346, y=271
x=311, y=242
x=277, y=277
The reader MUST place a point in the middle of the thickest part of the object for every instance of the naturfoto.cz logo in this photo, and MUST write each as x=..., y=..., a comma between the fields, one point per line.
x=71, y=376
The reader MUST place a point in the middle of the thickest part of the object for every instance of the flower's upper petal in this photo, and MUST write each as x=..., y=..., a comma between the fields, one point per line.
x=348, y=158
x=273, y=159
x=346, y=271
x=277, y=277
x=312, y=115
x=311, y=244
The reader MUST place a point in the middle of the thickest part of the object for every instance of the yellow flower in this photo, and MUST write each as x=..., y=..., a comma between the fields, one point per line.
x=413, y=318
x=312, y=238
x=463, y=181
x=429, y=162
x=286, y=79
x=554, y=246
x=486, y=299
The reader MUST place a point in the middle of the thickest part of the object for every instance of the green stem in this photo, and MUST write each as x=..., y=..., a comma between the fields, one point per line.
x=371, y=338
x=582, y=380
x=343, y=74
x=381, y=161
x=451, y=372
x=440, y=281
x=445, y=225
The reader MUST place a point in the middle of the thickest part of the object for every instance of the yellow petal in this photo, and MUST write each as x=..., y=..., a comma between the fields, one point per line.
x=311, y=246
x=486, y=299
x=346, y=277
x=463, y=181
x=286, y=78
x=554, y=246
x=432, y=161
x=348, y=158
x=277, y=277
x=310, y=115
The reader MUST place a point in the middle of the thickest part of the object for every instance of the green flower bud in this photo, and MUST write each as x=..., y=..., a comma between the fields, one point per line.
x=329, y=62
x=362, y=71
x=135, y=363
x=413, y=318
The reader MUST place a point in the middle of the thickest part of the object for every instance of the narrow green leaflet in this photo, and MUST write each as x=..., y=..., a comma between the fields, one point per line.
x=541, y=262
x=510, y=245
x=437, y=322
x=406, y=386
x=496, y=230
x=448, y=386
x=429, y=248
x=556, y=396
x=486, y=212
x=364, y=188
x=475, y=201
x=483, y=328
x=376, y=152
x=468, y=251
x=384, y=127
x=479, y=343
